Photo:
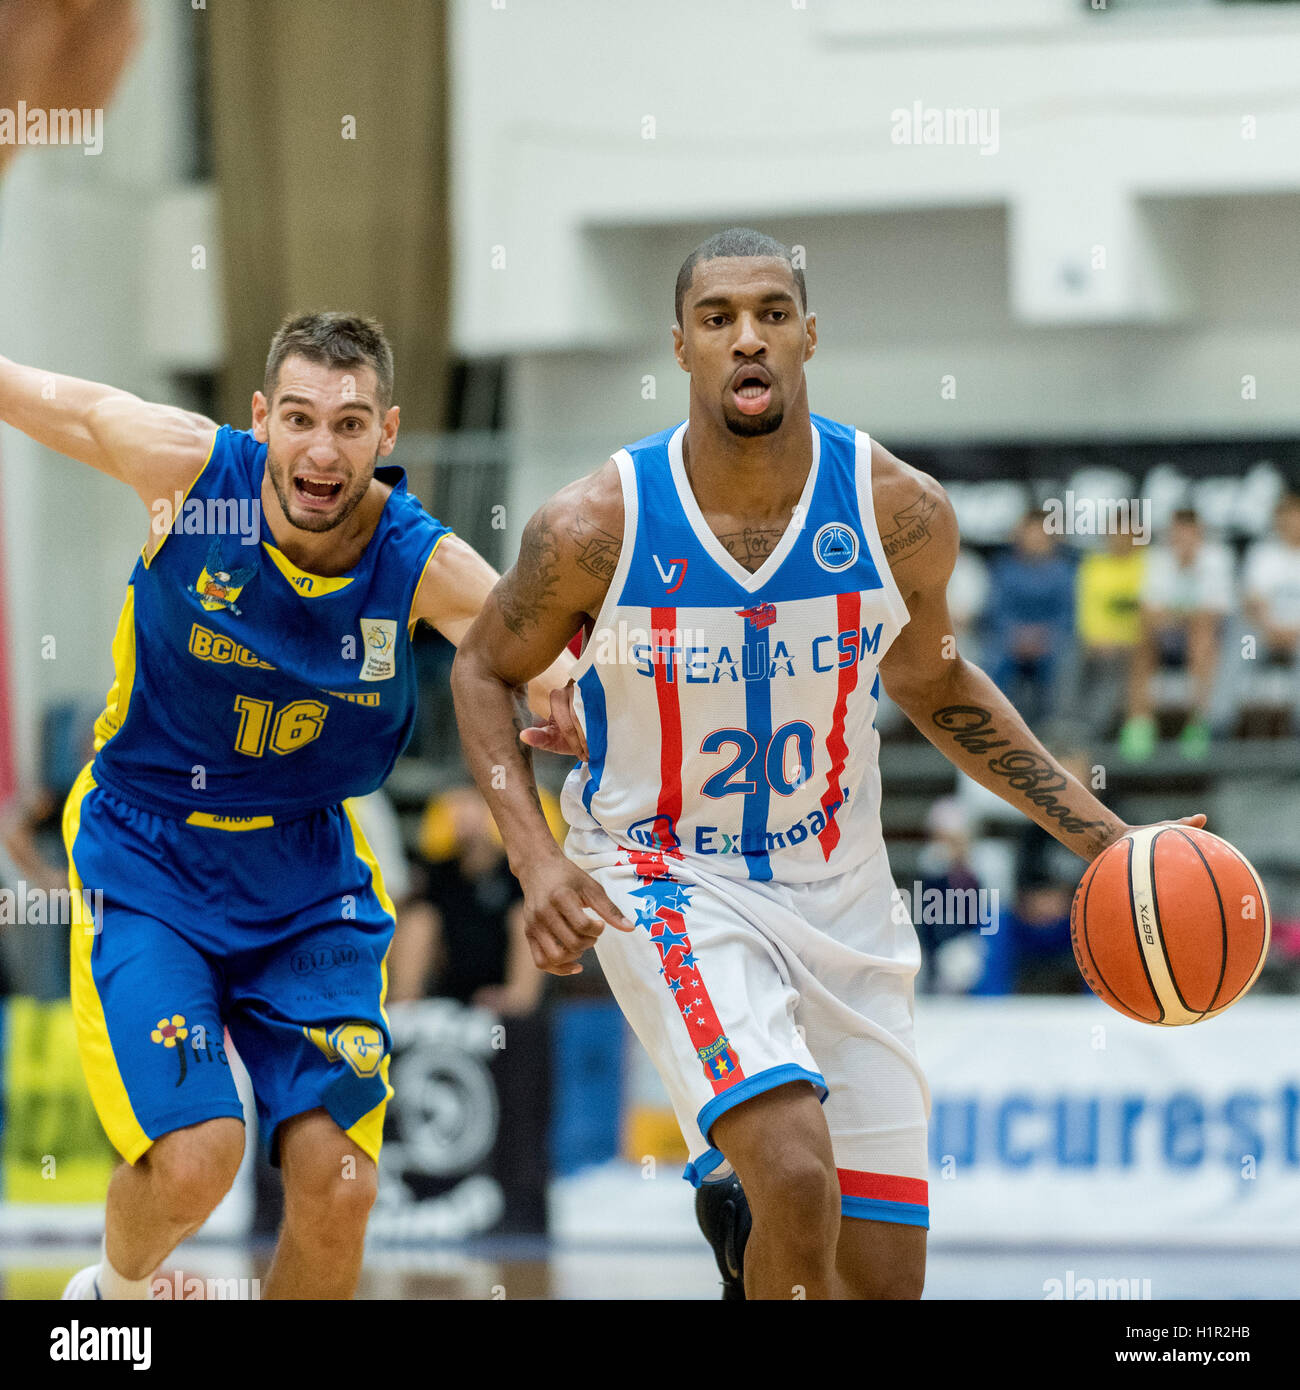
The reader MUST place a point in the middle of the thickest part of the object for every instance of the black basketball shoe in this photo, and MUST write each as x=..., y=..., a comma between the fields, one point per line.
x=723, y=1213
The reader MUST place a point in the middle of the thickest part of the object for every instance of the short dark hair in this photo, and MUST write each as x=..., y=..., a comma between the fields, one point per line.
x=332, y=339
x=737, y=241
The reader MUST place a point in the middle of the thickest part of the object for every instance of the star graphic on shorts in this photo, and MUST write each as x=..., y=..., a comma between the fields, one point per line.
x=669, y=938
x=659, y=891
x=646, y=917
x=674, y=985
x=688, y=961
x=686, y=1012
x=674, y=895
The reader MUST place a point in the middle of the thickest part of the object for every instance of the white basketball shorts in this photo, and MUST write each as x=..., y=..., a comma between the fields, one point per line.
x=735, y=987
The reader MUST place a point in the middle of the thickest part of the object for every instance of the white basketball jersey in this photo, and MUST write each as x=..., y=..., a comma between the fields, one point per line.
x=730, y=716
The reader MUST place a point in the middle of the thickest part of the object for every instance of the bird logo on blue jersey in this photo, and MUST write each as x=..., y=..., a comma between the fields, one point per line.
x=835, y=546
x=218, y=587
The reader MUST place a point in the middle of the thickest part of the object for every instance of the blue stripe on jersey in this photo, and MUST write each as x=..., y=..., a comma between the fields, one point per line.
x=593, y=704
x=758, y=720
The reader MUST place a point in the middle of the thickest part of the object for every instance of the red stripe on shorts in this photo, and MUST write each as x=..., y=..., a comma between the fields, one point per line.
x=703, y=1026
x=884, y=1187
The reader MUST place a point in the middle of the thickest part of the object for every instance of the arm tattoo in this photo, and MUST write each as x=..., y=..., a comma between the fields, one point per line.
x=911, y=529
x=753, y=545
x=1027, y=772
x=598, y=551
x=521, y=718
x=524, y=591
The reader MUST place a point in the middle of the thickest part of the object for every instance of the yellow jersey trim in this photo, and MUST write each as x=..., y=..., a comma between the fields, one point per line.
x=117, y=702
x=415, y=617
x=103, y=1077
x=308, y=585
x=144, y=550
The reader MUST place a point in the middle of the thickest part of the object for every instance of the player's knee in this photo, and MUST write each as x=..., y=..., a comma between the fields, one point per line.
x=194, y=1168
x=801, y=1188
x=334, y=1199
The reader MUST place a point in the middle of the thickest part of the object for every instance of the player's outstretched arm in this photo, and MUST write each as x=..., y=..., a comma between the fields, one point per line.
x=156, y=449
x=558, y=581
x=455, y=585
x=954, y=703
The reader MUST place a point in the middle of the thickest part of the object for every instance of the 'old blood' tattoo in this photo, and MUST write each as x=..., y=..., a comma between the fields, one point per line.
x=1026, y=771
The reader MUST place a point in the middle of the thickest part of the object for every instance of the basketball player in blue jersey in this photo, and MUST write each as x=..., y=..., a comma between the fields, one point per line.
x=746, y=581
x=264, y=675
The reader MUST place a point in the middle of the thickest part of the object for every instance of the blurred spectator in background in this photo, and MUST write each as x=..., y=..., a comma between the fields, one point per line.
x=462, y=935
x=1271, y=585
x=1030, y=953
x=950, y=952
x=1031, y=618
x=1108, y=620
x=1187, y=591
x=32, y=856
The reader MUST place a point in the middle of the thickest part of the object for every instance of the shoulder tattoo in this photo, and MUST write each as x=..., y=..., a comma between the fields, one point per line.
x=912, y=529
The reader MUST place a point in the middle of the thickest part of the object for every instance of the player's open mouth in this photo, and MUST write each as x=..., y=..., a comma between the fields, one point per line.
x=752, y=390
x=317, y=490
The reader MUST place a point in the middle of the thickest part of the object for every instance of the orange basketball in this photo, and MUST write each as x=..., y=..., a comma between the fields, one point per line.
x=1170, y=925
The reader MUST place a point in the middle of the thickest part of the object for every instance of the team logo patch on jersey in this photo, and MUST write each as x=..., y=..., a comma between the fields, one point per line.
x=380, y=638
x=757, y=618
x=218, y=587
x=835, y=546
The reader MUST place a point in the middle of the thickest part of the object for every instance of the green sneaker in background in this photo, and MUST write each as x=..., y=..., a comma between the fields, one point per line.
x=1137, y=739
x=1194, y=741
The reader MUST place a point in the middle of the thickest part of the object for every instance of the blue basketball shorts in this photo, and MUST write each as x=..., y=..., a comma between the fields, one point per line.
x=182, y=931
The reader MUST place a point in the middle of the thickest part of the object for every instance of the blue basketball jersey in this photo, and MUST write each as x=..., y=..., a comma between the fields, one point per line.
x=730, y=715
x=247, y=689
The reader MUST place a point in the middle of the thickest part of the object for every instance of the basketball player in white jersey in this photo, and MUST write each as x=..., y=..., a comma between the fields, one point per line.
x=746, y=582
